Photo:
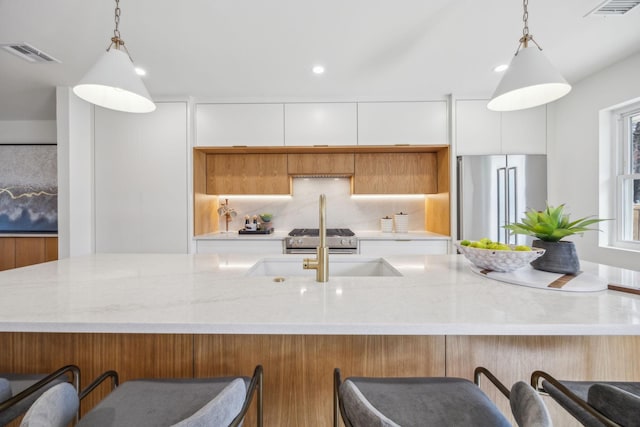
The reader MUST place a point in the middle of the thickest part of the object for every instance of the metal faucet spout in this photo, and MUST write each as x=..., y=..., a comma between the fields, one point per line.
x=321, y=262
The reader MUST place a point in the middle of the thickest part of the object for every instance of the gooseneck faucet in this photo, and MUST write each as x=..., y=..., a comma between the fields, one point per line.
x=321, y=262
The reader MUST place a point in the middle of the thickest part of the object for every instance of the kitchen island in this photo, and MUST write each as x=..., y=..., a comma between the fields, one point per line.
x=197, y=315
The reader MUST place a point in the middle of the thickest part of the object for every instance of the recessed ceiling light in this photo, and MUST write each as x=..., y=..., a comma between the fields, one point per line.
x=141, y=71
x=318, y=69
x=500, y=68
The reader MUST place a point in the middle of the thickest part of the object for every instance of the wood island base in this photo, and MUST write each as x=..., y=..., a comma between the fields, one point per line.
x=298, y=369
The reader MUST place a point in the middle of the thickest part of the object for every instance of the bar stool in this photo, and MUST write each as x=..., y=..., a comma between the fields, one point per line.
x=19, y=391
x=188, y=402
x=446, y=401
x=593, y=403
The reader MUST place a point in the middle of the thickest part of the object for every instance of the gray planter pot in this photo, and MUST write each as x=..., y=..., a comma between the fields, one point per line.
x=559, y=257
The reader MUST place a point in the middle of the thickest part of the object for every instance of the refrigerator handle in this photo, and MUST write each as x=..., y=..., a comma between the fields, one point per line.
x=502, y=210
x=512, y=201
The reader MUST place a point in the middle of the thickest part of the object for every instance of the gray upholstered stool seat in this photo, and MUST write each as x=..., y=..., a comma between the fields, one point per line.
x=594, y=403
x=190, y=402
x=413, y=402
x=19, y=391
x=167, y=402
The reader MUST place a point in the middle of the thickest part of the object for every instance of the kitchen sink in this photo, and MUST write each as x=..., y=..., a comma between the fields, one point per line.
x=348, y=266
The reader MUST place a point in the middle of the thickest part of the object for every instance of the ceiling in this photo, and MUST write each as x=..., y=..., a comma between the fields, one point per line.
x=256, y=50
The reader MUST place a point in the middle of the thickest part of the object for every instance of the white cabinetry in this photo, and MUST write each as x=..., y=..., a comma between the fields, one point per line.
x=525, y=131
x=390, y=123
x=320, y=124
x=239, y=124
x=403, y=247
x=141, y=180
x=482, y=131
x=262, y=247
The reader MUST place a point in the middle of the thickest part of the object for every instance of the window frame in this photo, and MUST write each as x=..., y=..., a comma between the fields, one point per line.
x=622, y=176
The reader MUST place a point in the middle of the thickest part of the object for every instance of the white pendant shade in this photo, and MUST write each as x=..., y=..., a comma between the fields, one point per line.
x=530, y=81
x=113, y=83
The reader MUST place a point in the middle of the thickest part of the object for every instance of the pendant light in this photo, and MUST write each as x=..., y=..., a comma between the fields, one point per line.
x=113, y=82
x=530, y=80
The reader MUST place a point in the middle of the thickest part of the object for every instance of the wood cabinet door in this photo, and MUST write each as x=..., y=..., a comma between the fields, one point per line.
x=29, y=251
x=7, y=253
x=247, y=174
x=395, y=173
x=321, y=164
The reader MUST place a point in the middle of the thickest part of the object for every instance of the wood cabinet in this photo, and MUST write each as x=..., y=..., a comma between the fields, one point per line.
x=395, y=173
x=414, y=123
x=247, y=174
x=482, y=131
x=320, y=124
x=23, y=251
x=320, y=164
x=239, y=124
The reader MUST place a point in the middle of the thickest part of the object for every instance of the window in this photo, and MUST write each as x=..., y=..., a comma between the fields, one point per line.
x=627, y=198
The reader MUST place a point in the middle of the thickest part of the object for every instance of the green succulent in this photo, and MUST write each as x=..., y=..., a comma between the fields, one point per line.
x=551, y=224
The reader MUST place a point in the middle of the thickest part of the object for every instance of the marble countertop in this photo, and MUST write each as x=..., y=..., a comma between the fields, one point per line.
x=209, y=293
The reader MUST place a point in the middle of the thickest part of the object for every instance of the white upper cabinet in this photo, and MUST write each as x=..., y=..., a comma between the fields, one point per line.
x=477, y=128
x=141, y=180
x=391, y=123
x=239, y=124
x=309, y=124
x=482, y=131
x=525, y=131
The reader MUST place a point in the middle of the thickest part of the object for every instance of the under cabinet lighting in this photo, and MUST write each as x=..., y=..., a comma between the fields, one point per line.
x=387, y=196
x=255, y=196
x=500, y=68
x=318, y=69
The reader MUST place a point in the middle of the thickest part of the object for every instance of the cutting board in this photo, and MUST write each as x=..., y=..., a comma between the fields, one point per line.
x=528, y=276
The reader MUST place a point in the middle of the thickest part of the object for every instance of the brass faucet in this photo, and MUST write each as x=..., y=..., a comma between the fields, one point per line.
x=321, y=262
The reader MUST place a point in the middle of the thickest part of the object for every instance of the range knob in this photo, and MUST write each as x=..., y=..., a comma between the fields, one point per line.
x=343, y=242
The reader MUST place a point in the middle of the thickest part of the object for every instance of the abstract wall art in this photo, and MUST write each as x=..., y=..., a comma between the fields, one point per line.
x=28, y=189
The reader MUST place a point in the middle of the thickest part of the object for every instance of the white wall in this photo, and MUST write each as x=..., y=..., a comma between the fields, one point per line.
x=28, y=132
x=75, y=175
x=573, y=151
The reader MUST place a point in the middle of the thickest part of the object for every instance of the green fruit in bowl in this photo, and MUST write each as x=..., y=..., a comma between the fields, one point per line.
x=522, y=248
x=486, y=243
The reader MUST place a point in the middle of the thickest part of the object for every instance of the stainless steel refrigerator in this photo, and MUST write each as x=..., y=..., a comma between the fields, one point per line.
x=497, y=190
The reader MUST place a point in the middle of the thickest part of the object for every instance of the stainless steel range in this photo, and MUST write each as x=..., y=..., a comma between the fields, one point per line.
x=305, y=241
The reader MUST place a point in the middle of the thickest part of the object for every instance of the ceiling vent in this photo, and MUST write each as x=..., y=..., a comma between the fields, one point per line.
x=614, y=7
x=28, y=52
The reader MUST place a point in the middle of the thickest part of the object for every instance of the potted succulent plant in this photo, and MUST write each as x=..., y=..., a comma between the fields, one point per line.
x=550, y=226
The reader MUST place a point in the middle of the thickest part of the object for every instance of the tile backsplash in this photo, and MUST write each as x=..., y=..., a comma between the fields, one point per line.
x=343, y=211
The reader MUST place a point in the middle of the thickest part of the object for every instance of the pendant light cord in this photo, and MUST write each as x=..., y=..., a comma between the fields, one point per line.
x=526, y=37
x=116, y=40
x=116, y=32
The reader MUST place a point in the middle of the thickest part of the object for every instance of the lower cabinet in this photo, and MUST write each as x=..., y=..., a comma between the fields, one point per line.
x=22, y=251
x=404, y=247
x=263, y=247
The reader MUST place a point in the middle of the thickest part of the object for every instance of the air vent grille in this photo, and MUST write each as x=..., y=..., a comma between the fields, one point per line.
x=28, y=52
x=614, y=7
